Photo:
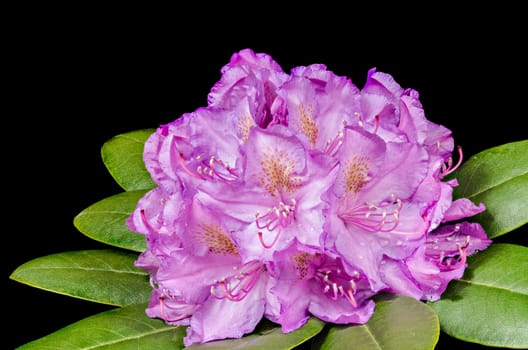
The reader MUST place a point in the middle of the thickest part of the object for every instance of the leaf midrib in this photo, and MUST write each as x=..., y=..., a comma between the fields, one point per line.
x=133, y=272
x=492, y=186
x=371, y=334
x=99, y=212
x=129, y=137
x=491, y=286
x=155, y=331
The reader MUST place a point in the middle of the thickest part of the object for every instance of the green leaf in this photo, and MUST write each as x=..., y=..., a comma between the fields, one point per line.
x=123, y=157
x=119, y=329
x=103, y=276
x=268, y=337
x=497, y=177
x=104, y=221
x=398, y=322
x=489, y=304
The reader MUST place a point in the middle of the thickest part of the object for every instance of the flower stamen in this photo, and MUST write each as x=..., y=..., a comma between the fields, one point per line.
x=148, y=225
x=281, y=215
x=448, y=249
x=332, y=145
x=377, y=123
x=359, y=119
x=181, y=161
x=216, y=168
x=337, y=290
x=181, y=309
x=264, y=244
x=383, y=217
x=448, y=168
x=237, y=287
x=185, y=311
x=211, y=169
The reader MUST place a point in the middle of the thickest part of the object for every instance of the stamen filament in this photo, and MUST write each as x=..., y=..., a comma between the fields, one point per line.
x=212, y=169
x=449, y=168
x=236, y=287
x=177, y=318
x=337, y=289
x=377, y=123
x=448, y=249
x=374, y=218
x=264, y=244
x=187, y=170
x=147, y=224
x=282, y=216
x=216, y=168
x=333, y=145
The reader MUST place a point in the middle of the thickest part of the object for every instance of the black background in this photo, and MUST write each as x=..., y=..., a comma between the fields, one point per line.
x=77, y=77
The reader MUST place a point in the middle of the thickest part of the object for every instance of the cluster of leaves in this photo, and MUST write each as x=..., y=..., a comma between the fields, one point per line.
x=488, y=305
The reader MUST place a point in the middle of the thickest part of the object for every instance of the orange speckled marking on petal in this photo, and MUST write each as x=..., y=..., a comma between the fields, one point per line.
x=308, y=124
x=277, y=169
x=217, y=240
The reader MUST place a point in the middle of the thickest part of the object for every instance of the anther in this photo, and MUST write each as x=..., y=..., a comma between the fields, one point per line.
x=332, y=145
x=181, y=161
x=236, y=287
x=376, y=218
x=282, y=216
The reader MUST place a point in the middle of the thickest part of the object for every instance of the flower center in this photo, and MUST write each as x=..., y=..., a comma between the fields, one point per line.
x=448, y=249
x=338, y=284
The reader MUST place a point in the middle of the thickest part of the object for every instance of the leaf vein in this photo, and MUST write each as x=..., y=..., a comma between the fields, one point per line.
x=491, y=286
x=133, y=272
x=117, y=341
x=371, y=334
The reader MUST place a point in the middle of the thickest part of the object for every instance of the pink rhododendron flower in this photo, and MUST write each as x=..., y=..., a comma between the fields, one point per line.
x=298, y=195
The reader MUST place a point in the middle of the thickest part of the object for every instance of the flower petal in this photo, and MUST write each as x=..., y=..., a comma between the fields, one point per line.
x=223, y=318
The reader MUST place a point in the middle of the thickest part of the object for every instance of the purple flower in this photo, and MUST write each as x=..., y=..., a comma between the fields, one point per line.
x=196, y=270
x=278, y=197
x=248, y=88
x=308, y=282
x=298, y=195
x=426, y=273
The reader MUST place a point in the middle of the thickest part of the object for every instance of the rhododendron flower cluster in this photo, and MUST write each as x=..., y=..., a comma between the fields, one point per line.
x=297, y=195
